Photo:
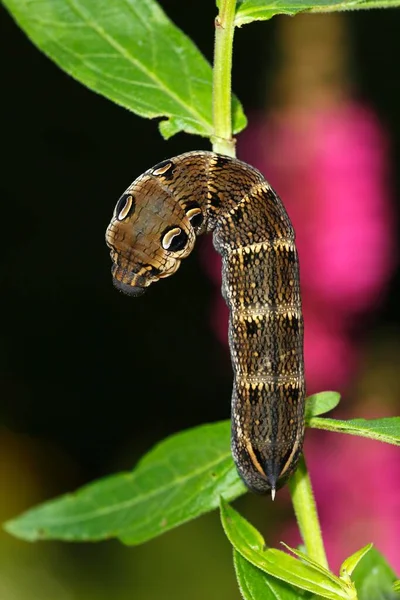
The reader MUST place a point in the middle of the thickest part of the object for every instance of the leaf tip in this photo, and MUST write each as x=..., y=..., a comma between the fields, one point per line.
x=15, y=528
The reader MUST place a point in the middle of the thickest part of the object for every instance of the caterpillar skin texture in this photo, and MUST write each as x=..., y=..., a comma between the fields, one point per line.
x=154, y=227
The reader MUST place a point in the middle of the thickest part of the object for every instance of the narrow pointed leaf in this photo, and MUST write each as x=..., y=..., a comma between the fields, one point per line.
x=348, y=566
x=306, y=559
x=261, y=10
x=321, y=403
x=384, y=430
x=250, y=544
x=180, y=479
x=254, y=584
x=130, y=52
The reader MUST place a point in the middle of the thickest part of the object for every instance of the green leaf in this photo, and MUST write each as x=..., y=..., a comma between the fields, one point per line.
x=321, y=403
x=384, y=430
x=249, y=543
x=310, y=561
x=396, y=586
x=374, y=578
x=348, y=566
x=254, y=584
x=130, y=52
x=180, y=479
x=261, y=10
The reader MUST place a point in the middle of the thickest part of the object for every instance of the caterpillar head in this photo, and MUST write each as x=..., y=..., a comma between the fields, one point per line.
x=151, y=231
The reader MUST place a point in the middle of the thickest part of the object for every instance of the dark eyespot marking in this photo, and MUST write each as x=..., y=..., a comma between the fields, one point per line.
x=254, y=396
x=294, y=394
x=125, y=206
x=249, y=259
x=174, y=239
x=221, y=161
x=153, y=271
x=237, y=216
x=215, y=200
x=252, y=328
x=190, y=204
x=291, y=256
x=291, y=324
x=195, y=217
x=194, y=214
x=164, y=169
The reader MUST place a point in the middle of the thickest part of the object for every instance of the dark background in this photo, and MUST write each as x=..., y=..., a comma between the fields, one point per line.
x=90, y=378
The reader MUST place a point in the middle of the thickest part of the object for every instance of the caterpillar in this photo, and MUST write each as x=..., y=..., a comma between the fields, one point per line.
x=154, y=227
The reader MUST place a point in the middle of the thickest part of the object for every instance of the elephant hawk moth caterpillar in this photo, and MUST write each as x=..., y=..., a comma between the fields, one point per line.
x=154, y=227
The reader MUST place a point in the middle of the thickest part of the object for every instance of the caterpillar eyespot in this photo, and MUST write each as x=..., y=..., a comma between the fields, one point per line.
x=260, y=283
x=163, y=168
x=124, y=206
x=195, y=217
x=174, y=239
x=194, y=214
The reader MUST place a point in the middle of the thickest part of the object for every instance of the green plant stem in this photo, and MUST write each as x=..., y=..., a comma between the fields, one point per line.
x=306, y=514
x=222, y=140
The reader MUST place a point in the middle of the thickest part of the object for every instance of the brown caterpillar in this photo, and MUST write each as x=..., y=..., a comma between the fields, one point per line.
x=155, y=225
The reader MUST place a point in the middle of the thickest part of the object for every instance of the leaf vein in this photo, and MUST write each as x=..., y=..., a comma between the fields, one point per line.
x=137, y=499
x=75, y=6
